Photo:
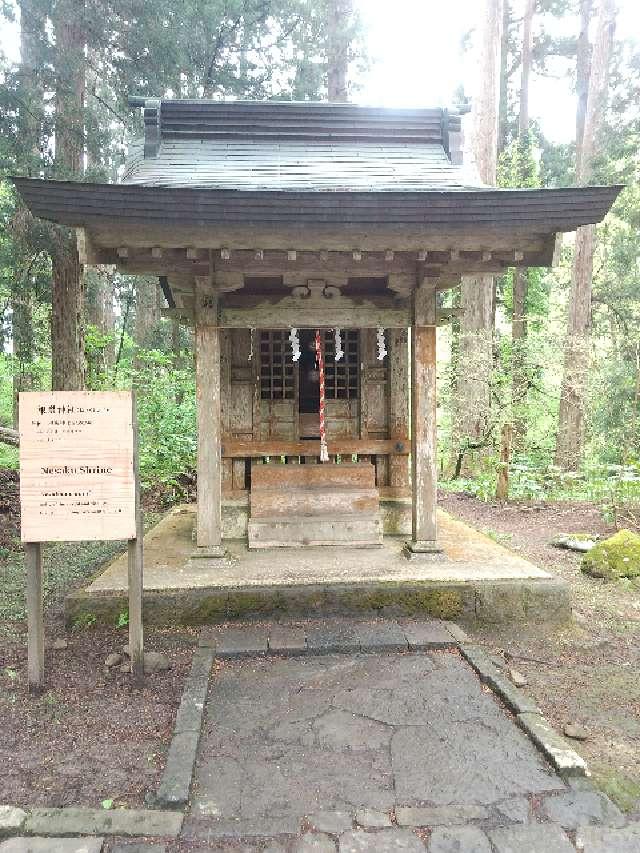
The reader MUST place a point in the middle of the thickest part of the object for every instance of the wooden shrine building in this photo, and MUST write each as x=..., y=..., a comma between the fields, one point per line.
x=260, y=218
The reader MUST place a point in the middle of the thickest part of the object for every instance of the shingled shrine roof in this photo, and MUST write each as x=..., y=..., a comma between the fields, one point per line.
x=206, y=163
x=295, y=146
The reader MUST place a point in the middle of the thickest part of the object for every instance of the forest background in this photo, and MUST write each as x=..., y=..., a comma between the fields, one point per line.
x=543, y=365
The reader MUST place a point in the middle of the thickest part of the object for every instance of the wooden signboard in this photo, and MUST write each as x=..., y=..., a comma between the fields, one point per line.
x=78, y=482
x=77, y=479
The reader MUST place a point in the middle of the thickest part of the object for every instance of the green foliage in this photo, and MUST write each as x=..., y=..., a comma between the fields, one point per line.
x=84, y=620
x=123, y=619
x=166, y=418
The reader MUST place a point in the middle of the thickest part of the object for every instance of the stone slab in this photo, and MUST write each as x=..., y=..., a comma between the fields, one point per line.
x=596, y=839
x=331, y=822
x=11, y=820
x=534, y=838
x=52, y=845
x=439, y=815
x=372, y=819
x=201, y=665
x=242, y=642
x=210, y=831
x=428, y=635
x=514, y=810
x=565, y=759
x=477, y=657
x=459, y=839
x=380, y=636
x=458, y=633
x=513, y=697
x=332, y=637
x=382, y=841
x=472, y=761
x=314, y=842
x=173, y=790
x=582, y=808
x=287, y=641
x=126, y=822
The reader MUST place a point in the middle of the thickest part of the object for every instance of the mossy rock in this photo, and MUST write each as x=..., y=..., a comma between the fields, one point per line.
x=616, y=557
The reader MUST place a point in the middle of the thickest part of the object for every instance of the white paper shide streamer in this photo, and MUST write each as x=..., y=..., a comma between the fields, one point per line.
x=339, y=350
x=295, y=344
x=250, y=344
x=382, y=346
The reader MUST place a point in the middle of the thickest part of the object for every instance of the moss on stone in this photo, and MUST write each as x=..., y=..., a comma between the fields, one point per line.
x=616, y=557
x=624, y=791
x=408, y=600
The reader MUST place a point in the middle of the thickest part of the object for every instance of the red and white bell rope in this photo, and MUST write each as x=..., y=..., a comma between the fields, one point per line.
x=324, y=452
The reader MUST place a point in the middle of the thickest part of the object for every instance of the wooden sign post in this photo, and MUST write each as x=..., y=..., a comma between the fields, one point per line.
x=79, y=481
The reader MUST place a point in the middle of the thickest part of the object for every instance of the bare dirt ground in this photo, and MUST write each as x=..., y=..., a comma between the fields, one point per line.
x=587, y=672
x=91, y=736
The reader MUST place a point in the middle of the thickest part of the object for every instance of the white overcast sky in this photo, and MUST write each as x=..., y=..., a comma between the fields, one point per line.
x=417, y=59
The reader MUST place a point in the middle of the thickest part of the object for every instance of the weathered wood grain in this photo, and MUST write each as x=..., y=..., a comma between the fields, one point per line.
x=347, y=475
x=76, y=466
x=235, y=448
x=35, y=618
x=423, y=421
x=136, y=569
x=207, y=347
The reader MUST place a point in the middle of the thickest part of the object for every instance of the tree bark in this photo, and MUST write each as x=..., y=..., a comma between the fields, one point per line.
x=148, y=307
x=476, y=322
x=340, y=12
x=573, y=396
x=503, y=121
x=99, y=293
x=520, y=276
x=31, y=29
x=583, y=69
x=67, y=317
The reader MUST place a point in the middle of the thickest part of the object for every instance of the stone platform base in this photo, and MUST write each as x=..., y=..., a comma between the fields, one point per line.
x=475, y=579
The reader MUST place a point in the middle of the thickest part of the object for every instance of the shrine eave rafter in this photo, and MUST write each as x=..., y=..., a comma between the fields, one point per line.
x=191, y=231
x=87, y=204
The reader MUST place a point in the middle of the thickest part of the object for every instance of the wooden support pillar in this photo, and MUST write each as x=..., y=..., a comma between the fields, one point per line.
x=135, y=569
x=207, y=345
x=35, y=617
x=424, y=537
x=398, y=406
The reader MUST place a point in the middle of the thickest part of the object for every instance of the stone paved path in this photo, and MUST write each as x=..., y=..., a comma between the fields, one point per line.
x=366, y=750
x=379, y=752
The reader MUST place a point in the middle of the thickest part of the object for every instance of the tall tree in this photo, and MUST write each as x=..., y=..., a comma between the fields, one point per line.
x=583, y=72
x=29, y=90
x=520, y=276
x=570, y=440
x=148, y=307
x=338, y=41
x=477, y=292
x=67, y=314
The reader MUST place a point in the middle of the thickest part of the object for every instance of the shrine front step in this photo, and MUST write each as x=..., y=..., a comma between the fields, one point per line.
x=355, y=530
x=312, y=501
x=301, y=506
x=358, y=475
